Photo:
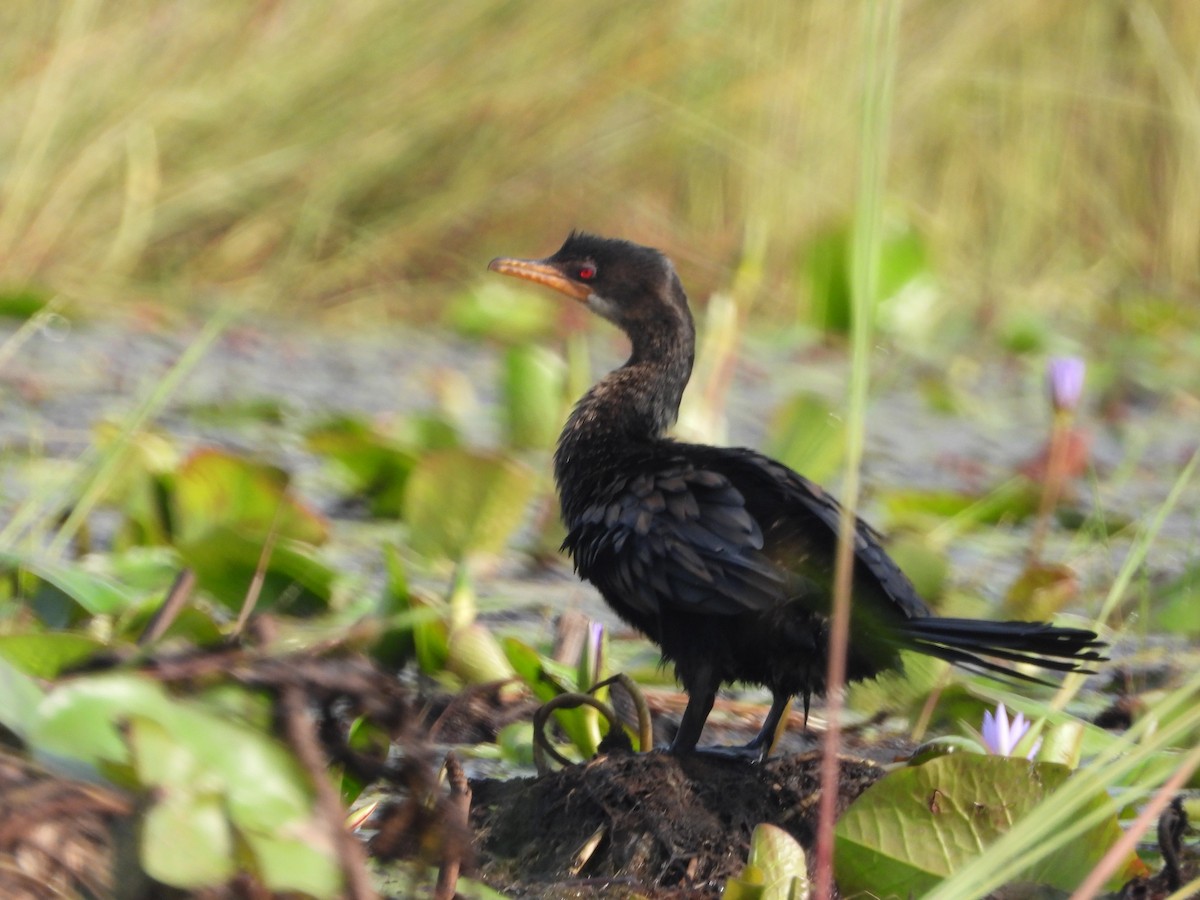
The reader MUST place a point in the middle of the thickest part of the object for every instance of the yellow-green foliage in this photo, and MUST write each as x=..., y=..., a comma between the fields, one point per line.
x=345, y=153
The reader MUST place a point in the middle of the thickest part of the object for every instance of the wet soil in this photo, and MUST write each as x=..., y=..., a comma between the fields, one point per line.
x=651, y=824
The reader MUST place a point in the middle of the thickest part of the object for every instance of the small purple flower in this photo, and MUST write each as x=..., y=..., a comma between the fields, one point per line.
x=594, y=651
x=1001, y=736
x=1064, y=375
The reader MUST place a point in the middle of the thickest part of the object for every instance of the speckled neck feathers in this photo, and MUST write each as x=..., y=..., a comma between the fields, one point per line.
x=638, y=402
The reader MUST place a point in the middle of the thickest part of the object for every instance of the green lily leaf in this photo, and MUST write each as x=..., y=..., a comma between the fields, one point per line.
x=298, y=858
x=376, y=465
x=225, y=560
x=187, y=841
x=22, y=697
x=808, y=437
x=534, y=380
x=579, y=726
x=45, y=654
x=498, y=311
x=460, y=502
x=475, y=656
x=958, y=804
x=1013, y=501
x=79, y=720
x=94, y=594
x=214, y=490
x=779, y=858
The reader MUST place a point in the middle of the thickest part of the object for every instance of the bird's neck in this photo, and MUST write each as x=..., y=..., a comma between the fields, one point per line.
x=636, y=403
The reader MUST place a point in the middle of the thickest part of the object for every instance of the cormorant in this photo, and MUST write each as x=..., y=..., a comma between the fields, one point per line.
x=721, y=556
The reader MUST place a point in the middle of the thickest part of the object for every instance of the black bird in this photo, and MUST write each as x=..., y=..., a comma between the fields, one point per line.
x=724, y=557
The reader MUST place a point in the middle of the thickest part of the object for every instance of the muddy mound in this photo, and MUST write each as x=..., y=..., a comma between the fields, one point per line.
x=651, y=823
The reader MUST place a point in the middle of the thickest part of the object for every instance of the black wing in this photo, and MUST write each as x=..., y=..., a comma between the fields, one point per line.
x=674, y=535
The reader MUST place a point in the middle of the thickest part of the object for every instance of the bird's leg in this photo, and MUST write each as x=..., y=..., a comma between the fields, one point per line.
x=702, y=693
x=765, y=739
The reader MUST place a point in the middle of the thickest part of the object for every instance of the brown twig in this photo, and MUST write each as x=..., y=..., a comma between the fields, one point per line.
x=298, y=726
x=260, y=572
x=165, y=615
x=458, y=813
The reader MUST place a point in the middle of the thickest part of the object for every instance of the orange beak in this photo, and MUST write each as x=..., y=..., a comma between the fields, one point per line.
x=542, y=273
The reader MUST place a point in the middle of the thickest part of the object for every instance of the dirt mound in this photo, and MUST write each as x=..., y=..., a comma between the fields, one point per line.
x=650, y=823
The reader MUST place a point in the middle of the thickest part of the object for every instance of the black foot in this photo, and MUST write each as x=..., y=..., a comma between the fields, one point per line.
x=747, y=754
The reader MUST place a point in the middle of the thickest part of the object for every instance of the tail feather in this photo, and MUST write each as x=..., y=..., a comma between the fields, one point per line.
x=968, y=643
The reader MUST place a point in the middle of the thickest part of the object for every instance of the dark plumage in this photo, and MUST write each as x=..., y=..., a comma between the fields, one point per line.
x=724, y=557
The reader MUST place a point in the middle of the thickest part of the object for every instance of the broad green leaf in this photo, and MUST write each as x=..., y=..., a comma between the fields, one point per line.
x=430, y=633
x=1040, y=591
x=80, y=719
x=926, y=564
x=459, y=502
x=22, y=301
x=186, y=840
x=138, y=485
x=22, y=698
x=499, y=311
x=214, y=490
x=83, y=720
x=1013, y=501
x=264, y=785
x=225, y=560
x=142, y=570
x=475, y=656
x=45, y=654
x=918, y=825
x=160, y=760
x=377, y=466
x=93, y=593
x=780, y=859
x=807, y=436
x=579, y=726
x=298, y=858
x=197, y=762
x=897, y=691
x=534, y=379
x=1178, y=603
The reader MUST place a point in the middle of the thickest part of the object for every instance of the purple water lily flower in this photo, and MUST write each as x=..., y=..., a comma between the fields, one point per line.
x=594, y=649
x=1064, y=375
x=1001, y=736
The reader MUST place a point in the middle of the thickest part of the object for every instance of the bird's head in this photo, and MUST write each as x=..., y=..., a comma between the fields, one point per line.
x=632, y=286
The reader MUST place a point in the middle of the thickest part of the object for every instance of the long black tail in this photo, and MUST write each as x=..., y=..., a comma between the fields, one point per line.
x=966, y=642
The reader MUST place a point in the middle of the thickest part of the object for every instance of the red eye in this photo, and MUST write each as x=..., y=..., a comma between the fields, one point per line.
x=587, y=273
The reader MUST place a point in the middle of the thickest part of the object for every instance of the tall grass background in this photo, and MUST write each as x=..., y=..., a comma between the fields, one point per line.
x=366, y=157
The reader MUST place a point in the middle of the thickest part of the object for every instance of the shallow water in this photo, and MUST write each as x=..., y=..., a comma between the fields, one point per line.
x=63, y=381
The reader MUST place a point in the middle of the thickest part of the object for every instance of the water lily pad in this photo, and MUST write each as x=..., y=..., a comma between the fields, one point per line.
x=376, y=465
x=46, y=654
x=775, y=868
x=187, y=841
x=228, y=508
x=1041, y=590
x=807, y=436
x=460, y=502
x=213, y=489
x=918, y=825
x=534, y=380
